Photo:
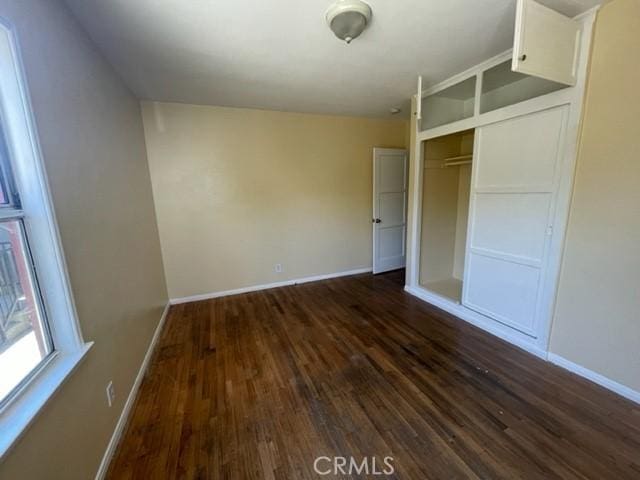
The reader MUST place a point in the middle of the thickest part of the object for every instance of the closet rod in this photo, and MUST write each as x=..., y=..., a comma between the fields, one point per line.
x=469, y=156
x=455, y=164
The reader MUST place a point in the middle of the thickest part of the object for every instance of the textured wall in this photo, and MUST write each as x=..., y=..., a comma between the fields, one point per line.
x=92, y=140
x=597, y=324
x=239, y=190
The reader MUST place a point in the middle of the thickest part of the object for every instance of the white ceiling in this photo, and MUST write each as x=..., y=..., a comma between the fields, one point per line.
x=280, y=54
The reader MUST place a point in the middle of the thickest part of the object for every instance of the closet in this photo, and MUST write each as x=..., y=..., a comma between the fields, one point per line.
x=491, y=176
x=445, y=211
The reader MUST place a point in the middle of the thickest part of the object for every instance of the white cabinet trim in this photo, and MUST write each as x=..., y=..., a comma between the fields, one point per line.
x=571, y=96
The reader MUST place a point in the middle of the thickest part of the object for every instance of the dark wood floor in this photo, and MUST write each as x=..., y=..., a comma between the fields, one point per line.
x=259, y=385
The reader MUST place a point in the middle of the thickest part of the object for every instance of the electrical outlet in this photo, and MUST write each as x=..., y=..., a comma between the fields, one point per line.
x=278, y=268
x=111, y=393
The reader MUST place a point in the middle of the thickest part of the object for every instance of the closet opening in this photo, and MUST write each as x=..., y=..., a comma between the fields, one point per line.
x=446, y=185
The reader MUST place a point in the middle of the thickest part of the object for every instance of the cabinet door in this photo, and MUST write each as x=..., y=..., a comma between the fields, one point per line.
x=515, y=179
x=546, y=43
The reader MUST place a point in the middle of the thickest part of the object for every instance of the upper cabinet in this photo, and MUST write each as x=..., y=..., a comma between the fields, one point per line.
x=451, y=104
x=502, y=87
x=548, y=50
x=546, y=43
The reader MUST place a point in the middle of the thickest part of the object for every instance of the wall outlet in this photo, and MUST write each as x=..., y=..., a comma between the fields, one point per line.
x=278, y=268
x=111, y=393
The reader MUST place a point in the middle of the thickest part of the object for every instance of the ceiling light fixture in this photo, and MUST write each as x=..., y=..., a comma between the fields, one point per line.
x=348, y=18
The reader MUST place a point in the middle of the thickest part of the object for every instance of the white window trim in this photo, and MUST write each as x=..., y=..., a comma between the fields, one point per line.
x=46, y=247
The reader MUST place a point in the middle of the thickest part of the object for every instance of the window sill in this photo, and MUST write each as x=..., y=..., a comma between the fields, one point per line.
x=18, y=415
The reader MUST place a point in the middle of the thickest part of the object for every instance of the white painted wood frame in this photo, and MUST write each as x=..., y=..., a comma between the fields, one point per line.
x=572, y=97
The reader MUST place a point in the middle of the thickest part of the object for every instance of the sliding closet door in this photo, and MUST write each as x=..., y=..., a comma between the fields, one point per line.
x=516, y=174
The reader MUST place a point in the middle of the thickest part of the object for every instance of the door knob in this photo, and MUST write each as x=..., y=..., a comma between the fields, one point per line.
x=377, y=220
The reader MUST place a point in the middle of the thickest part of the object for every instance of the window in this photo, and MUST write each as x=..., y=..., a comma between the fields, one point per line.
x=40, y=340
x=25, y=341
x=24, y=335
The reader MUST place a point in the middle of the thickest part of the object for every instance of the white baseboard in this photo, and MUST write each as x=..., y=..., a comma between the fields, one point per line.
x=518, y=339
x=487, y=325
x=266, y=286
x=551, y=357
x=601, y=380
x=124, y=415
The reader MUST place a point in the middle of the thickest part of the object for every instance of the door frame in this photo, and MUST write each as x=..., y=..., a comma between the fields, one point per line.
x=374, y=211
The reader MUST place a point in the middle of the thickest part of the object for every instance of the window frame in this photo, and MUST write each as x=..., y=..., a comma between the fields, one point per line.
x=15, y=214
x=43, y=244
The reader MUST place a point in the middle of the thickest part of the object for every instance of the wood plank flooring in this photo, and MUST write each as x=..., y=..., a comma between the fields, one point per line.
x=256, y=386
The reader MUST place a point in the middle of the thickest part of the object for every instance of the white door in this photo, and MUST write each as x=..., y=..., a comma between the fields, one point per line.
x=515, y=179
x=546, y=43
x=390, y=168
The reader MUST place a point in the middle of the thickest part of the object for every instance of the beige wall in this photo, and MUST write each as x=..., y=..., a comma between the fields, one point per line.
x=239, y=190
x=439, y=210
x=445, y=209
x=220, y=189
x=597, y=320
x=93, y=144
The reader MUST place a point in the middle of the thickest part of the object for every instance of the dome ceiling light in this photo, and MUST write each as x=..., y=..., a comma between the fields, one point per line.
x=348, y=18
